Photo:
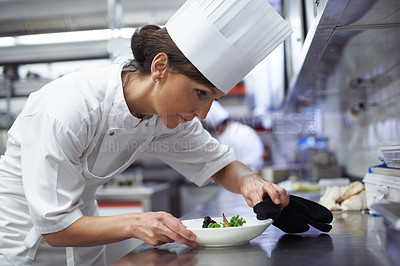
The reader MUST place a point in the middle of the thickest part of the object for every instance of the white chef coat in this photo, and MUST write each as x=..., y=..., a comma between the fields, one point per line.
x=68, y=140
x=246, y=143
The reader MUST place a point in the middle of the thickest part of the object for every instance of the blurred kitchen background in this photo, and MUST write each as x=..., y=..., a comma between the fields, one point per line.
x=322, y=102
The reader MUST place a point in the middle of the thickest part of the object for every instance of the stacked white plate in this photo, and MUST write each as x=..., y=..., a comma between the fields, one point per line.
x=390, y=154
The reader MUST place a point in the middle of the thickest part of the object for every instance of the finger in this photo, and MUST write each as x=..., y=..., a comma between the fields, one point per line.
x=162, y=239
x=284, y=196
x=251, y=202
x=273, y=193
x=177, y=226
x=158, y=233
x=163, y=235
x=179, y=238
x=159, y=239
x=256, y=195
x=178, y=232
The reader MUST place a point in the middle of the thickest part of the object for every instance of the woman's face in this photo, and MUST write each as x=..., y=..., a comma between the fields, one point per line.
x=179, y=99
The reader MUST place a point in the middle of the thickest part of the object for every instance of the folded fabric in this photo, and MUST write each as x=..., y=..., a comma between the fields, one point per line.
x=297, y=216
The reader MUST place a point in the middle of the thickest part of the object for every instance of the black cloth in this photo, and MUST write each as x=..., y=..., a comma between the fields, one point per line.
x=297, y=216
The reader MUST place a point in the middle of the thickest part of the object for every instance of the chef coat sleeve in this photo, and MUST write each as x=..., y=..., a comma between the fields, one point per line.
x=192, y=152
x=51, y=172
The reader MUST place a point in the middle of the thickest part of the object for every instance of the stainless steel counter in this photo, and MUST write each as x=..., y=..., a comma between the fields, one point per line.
x=356, y=239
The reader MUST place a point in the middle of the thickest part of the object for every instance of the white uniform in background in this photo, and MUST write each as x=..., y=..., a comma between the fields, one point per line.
x=246, y=143
x=72, y=136
x=244, y=140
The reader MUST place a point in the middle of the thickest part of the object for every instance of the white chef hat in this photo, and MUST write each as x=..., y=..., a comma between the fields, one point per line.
x=226, y=39
x=216, y=115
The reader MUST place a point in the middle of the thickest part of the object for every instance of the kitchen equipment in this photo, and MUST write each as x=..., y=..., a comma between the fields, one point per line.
x=381, y=188
x=3, y=141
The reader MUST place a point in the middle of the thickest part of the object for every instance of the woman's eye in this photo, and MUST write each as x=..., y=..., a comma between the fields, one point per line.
x=201, y=93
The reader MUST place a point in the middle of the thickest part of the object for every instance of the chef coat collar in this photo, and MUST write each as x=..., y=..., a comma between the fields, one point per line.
x=121, y=115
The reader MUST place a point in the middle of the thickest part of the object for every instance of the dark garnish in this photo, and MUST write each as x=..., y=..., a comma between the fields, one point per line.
x=207, y=221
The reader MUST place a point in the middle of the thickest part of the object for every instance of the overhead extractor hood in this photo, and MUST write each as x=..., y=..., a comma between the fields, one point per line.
x=350, y=52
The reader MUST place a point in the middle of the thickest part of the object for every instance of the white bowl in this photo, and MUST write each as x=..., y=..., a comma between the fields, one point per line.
x=227, y=236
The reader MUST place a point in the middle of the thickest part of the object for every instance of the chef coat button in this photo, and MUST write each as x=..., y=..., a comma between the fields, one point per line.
x=111, y=133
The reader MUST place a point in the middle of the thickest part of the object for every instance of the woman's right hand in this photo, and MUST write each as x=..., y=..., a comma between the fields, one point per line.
x=156, y=228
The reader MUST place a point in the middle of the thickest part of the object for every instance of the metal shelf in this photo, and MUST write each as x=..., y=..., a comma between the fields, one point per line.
x=22, y=88
x=5, y=115
x=28, y=54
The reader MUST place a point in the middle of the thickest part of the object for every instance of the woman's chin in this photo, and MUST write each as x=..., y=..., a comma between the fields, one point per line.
x=170, y=124
x=173, y=122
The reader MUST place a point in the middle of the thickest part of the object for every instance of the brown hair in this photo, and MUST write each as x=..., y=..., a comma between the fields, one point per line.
x=150, y=40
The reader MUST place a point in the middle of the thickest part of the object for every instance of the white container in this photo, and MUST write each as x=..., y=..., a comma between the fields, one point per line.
x=381, y=188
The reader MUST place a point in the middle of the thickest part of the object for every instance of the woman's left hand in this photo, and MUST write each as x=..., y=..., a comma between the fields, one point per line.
x=238, y=178
x=253, y=188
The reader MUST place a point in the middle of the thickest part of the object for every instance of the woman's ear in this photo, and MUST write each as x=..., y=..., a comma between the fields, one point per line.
x=159, y=66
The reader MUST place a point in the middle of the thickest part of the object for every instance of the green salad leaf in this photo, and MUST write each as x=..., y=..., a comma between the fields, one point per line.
x=237, y=221
x=214, y=225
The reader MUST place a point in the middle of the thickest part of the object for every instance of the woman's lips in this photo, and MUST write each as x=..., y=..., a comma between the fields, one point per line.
x=183, y=119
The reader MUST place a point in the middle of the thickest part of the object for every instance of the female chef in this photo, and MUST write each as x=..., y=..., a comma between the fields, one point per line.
x=79, y=131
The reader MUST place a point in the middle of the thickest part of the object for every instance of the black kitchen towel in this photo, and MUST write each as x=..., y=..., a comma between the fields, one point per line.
x=267, y=209
x=297, y=216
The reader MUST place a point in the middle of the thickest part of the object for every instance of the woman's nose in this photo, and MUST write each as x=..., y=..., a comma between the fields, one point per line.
x=202, y=115
x=202, y=111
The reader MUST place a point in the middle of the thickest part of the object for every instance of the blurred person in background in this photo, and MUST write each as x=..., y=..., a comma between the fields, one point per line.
x=246, y=143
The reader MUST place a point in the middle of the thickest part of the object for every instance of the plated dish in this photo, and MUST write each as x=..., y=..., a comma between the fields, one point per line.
x=226, y=236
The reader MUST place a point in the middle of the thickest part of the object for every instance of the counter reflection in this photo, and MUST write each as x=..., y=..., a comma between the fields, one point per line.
x=179, y=254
